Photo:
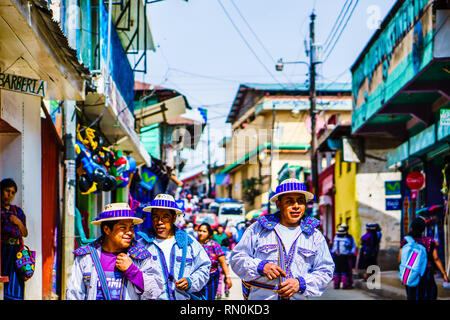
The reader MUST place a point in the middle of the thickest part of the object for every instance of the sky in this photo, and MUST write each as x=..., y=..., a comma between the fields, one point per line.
x=206, y=48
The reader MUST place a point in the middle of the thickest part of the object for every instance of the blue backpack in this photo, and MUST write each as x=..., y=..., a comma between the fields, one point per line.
x=413, y=262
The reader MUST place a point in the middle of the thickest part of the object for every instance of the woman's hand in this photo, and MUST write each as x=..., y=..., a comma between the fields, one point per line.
x=228, y=281
x=23, y=230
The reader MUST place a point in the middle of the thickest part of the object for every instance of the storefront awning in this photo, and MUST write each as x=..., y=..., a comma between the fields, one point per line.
x=33, y=45
x=161, y=112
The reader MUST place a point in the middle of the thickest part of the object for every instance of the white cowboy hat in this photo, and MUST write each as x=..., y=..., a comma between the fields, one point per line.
x=163, y=201
x=291, y=186
x=116, y=211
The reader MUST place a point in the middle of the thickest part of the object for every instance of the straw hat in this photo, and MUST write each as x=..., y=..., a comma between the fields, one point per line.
x=117, y=211
x=341, y=230
x=291, y=186
x=163, y=201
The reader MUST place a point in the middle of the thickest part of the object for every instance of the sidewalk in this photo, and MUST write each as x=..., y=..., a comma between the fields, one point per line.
x=393, y=289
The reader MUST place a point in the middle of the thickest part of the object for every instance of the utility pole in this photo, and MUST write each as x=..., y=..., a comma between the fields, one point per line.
x=271, y=156
x=312, y=98
x=68, y=216
x=209, y=166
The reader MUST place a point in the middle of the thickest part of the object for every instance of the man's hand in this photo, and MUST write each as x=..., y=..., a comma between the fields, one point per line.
x=182, y=284
x=273, y=271
x=288, y=288
x=123, y=262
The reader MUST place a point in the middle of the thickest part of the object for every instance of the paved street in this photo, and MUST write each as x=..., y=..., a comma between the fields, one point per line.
x=348, y=294
x=329, y=294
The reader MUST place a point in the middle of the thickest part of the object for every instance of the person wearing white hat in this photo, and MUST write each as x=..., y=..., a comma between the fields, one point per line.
x=182, y=262
x=115, y=266
x=283, y=255
x=343, y=250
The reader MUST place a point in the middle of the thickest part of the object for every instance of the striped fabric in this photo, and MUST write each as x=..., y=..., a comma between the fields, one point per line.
x=164, y=203
x=411, y=260
x=291, y=186
x=115, y=214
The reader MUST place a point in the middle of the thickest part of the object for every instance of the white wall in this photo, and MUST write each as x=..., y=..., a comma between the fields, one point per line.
x=20, y=157
x=370, y=180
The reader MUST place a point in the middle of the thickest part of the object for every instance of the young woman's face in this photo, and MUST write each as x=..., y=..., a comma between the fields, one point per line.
x=162, y=221
x=203, y=233
x=7, y=196
x=121, y=235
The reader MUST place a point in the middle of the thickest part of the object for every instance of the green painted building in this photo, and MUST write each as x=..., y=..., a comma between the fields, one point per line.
x=400, y=85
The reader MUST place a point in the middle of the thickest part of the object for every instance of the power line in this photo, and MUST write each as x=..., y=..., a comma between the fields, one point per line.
x=248, y=45
x=257, y=38
x=343, y=28
x=333, y=28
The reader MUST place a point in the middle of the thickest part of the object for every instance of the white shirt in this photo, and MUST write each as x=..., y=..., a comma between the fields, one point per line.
x=287, y=235
x=166, y=246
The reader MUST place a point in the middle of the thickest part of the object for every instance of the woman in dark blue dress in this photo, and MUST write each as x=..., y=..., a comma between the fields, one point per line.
x=13, y=229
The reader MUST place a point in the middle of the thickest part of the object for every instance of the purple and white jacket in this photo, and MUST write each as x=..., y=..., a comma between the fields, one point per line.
x=309, y=259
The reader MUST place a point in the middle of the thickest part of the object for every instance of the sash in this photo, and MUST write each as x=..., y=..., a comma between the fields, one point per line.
x=285, y=264
x=101, y=275
x=168, y=276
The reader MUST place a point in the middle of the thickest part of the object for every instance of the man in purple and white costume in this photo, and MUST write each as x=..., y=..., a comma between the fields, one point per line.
x=283, y=255
x=128, y=271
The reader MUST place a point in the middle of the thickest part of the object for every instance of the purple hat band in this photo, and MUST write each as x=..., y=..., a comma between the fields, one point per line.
x=164, y=203
x=291, y=186
x=115, y=214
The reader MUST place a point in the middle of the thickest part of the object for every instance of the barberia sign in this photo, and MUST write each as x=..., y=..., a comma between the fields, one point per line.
x=22, y=84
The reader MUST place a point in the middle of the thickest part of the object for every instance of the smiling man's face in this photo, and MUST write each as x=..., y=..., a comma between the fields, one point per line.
x=162, y=221
x=292, y=208
x=121, y=235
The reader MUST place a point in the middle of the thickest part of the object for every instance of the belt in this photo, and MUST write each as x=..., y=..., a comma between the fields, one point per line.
x=246, y=285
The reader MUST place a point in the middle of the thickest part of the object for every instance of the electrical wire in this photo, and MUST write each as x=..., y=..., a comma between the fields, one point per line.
x=257, y=38
x=343, y=28
x=333, y=28
x=248, y=45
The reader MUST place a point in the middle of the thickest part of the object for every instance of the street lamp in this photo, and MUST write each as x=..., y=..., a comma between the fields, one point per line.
x=280, y=64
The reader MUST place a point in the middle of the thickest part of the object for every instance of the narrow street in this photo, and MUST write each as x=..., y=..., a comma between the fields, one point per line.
x=329, y=294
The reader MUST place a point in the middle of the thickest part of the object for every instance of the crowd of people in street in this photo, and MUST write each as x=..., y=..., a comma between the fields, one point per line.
x=277, y=256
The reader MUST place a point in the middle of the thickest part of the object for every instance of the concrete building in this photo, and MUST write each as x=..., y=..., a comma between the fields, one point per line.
x=36, y=63
x=401, y=92
x=355, y=189
x=271, y=136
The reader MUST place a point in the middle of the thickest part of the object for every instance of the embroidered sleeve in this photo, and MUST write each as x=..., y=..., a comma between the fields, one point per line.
x=218, y=250
x=261, y=267
x=302, y=283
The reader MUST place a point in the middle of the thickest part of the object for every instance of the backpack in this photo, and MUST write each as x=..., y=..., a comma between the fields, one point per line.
x=413, y=262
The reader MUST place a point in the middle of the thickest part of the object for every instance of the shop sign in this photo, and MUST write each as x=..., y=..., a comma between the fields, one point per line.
x=22, y=84
x=381, y=50
x=415, y=180
x=392, y=188
x=148, y=179
x=445, y=117
x=393, y=204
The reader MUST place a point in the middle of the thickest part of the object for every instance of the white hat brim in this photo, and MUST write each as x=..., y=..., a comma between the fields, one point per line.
x=308, y=195
x=135, y=220
x=149, y=209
